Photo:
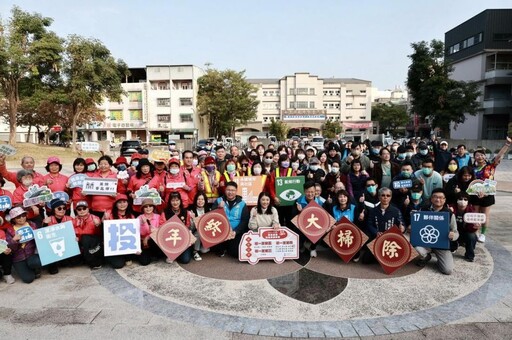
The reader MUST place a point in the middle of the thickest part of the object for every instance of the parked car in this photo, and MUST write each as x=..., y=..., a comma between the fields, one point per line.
x=129, y=147
x=201, y=144
x=317, y=142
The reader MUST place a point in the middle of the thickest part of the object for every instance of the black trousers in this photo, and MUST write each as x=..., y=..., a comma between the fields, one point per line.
x=27, y=269
x=6, y=263
x=92, y=251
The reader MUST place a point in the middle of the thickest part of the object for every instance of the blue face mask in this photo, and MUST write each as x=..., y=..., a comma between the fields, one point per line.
x=121, y=167
x=416, y=195
x=423, y=152
x=372, y=189
x=406, y=174
x=135, y=163
x=426, y=171
x=375, y=151
x=401, y=155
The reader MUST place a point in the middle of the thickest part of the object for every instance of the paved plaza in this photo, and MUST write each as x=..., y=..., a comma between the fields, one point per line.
x=221, y=298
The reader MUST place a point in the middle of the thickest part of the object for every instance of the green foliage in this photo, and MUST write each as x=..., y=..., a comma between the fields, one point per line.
x=226, y=99
x=390, y=117
x=278, y=129
x=28, y=49
x=433, y=94
x=330, y=129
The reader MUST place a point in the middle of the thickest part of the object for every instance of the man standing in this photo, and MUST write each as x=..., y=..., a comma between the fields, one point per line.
x=253, y=143
x=220, y=152
x=429, y=178
x=192, y=174
x=27, y=163
x=444, y=256
x=462, y=157
x=441, y=154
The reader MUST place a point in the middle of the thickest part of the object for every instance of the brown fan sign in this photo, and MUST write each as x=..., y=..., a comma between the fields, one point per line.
x=345, y=239
x=313, y=221
x=392, y=250
x=213, y=228
x=173, y=237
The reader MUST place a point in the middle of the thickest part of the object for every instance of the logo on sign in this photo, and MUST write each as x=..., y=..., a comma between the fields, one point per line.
x=429, y=234
x=290, y=194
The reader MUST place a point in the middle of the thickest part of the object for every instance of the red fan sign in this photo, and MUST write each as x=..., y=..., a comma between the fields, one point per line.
x=392, y=250
x=173, y=237
x=313, y=221
x=345, y=239
x=213, y=228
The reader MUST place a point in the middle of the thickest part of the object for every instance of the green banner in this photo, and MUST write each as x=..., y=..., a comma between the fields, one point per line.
x=289, y=189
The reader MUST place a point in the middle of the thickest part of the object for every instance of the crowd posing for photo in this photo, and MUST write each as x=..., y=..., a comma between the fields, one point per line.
x=352, y=180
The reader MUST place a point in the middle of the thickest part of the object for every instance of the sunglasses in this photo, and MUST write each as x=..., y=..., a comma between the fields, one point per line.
x=269, y=157
x=81, y=208
x=463, y=199
x=370, y=185
x=385, y=195
x=60, y=208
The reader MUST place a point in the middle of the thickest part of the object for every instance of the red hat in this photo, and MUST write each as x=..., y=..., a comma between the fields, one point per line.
x=121, y=197
x=209, y=160
x=135, y=156
x=121, y=160
x=174, y=160
x=89, y=161
x=53, y=159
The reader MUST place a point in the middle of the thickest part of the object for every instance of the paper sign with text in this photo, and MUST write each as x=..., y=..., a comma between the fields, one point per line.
x=145, y=192
x=7, y=149
x=313, y=221
x=90, y=146
x=430, y=229
x=76, y=181
x=36, y=195
x=173, y=237
x=404, y=183
x=269, y=244
x=213, y=228
x=475, y=218
x=249, y=187
x=121, y=237
x=5, y=203
x=487, y=187
x=56, y=242
x=289, y=189
x=60, y=195
x=26, y=234
x=345, y=239
x=99, y=186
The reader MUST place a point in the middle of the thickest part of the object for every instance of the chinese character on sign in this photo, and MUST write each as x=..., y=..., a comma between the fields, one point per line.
x=312, y=222
x=345, y=238
x=174, y=236
x=213, y=226
x=390, y=249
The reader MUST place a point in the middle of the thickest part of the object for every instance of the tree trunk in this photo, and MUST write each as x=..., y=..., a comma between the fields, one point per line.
x=76, y=113
x=13, y=109
x=28, y=133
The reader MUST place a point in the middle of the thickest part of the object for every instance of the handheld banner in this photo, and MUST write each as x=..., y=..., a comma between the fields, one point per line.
x=313, y=221
x=392, y=250
x=269, y=244
x=487, y=187
x=475, y=218
x=76, y=181
x=249, y=187
x=404, y=183
x=5, y=203
x=36, y=195
x=430, y=229
x=345, y=239
x=145, y=192
x=99, y=186
x=56, y=242
x=60, y=195
x=447, y=177
x=160, y=156
x=173, y=237
x=213, y=228
x=90, y=146
x=26, y=234
x=121, y=237
x=3, y=246
x=7, y=149
x=289, y=189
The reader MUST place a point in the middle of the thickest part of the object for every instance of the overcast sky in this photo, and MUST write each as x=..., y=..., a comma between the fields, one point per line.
x=268, y=38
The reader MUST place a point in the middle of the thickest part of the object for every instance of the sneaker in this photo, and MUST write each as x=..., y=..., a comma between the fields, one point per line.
x=356, y=258
x=168, y=260
x=481, y=238
x=422, y=262
x=204, y=250
x=222, y=254
x=97, y=267
x=468, y=259
x=9, y=279
x=313, y=253
x=197, y=257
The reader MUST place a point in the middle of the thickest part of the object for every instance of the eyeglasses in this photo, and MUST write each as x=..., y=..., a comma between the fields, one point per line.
x=81, y=208
x=385, y=195
x=60, y=208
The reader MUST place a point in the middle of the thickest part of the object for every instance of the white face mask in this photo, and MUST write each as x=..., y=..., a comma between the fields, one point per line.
x=174, y=171
x=195, y=162
x=295, y=166
x=462, y=203
x=301, y=156
x=313, y=167
x=257, y=171
x=335, y=170
x=27, y=182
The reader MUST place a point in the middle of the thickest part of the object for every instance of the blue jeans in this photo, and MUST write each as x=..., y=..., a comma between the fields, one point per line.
x=470, y=239
x=186, y=256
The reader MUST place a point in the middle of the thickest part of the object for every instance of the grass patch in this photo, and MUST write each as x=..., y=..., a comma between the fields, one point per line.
x=42, y=152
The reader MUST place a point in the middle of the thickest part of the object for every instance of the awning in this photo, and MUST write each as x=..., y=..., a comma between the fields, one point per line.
x=362, y=125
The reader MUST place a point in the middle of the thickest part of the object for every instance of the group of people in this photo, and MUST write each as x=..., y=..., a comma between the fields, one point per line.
x=352, y=180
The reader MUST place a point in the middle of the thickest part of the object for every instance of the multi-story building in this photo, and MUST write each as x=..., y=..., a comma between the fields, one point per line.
x=160, y=100
x=480, y=50
x=305, y=102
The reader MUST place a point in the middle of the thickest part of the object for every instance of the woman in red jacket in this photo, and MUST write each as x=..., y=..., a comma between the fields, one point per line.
x=79, y=167
x=54, y=180
x=26, y=179
x=150, y=220
x=98, y=204
x=88, y=234
x=5, y=196
x=143, y=176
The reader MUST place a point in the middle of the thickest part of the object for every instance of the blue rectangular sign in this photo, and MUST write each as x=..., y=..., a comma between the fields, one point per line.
x=56, y=242
x=430, y=229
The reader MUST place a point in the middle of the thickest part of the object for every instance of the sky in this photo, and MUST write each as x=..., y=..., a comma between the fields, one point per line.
x=367, y=40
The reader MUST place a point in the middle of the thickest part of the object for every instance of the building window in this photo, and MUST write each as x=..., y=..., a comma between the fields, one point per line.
x=116, y=115
x=325, y=105
x=291, y=105
x=362, y=92
x=265, y=93
x=311, y=105
x=349, y=92
x=160, y=85
x=292, y=91
x=349, y=117
x=348, y=105
x=302, y=105
x=337, y=105
x=337, y=93
x=135, y=96
x=362, y=117
x=302, y=91
x=135, y=114
x=326, y=92
x=312, y=91
x=163, y=118
x=186, y=86
x=185, y=101
x=163, y=102
x=277, y=93
x=185, y=118
x=362, y=104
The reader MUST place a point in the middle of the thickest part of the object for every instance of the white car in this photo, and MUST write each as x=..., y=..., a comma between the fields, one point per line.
x=317, y=142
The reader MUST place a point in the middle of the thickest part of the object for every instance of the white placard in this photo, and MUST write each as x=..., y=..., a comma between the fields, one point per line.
x=475, y=218
x=121, y=237
x=269, y=244
x=90, y=146
x=144, y=193
x=99, y=186
x=7, y=149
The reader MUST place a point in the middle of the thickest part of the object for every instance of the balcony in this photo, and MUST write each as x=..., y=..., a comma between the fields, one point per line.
x=497, y=103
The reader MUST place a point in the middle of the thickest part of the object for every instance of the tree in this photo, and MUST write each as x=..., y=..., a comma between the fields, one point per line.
x=27, y=48
x=330, y=129
x=278, y=129
x=90, y=75
x=433, y=94
x=227, y=100
x=391, y=117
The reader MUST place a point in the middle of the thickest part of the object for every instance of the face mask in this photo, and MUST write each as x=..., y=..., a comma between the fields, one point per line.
x=231, y=168
x=335, y=170
x=313, y=167
x=27, y=182
x=210, y=168
x=416, y=195
x=195, y=162
x=135, y=163
x=285, y=164
x=355, y=153
x=406, y=174
x=174, y=171
x=301, y=156
x=462, y=203
x=283, y=153
x=257, y=170
x=372, y=189
x=121, y=167
x=295, y=166
x=268, y=161
x=408, y=154
x=423, y=152
x=452, y=167
x=91, y=167
x=375, y=151
x=402, y=155
x=426, y=171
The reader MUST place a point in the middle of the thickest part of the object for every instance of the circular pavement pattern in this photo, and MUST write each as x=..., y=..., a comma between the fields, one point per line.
x=361, y=307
